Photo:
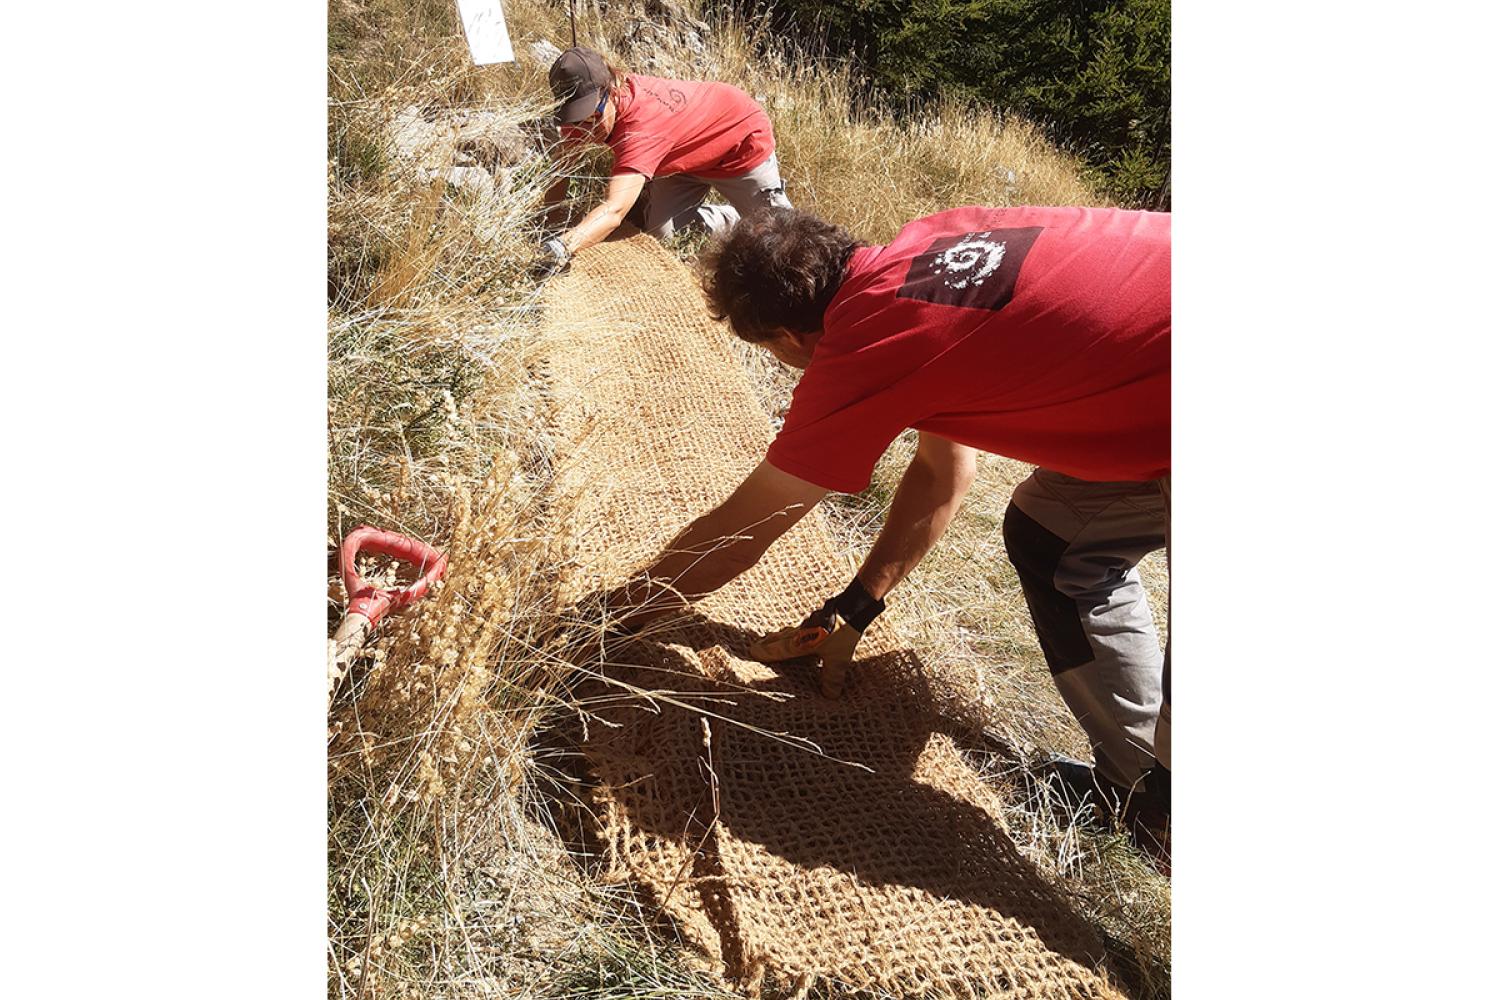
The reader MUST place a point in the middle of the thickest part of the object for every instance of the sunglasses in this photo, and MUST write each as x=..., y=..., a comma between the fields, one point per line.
x=585, y=126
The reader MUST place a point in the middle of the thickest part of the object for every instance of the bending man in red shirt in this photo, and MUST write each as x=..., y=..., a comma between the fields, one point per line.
x=1042, y=334
x=672, y=140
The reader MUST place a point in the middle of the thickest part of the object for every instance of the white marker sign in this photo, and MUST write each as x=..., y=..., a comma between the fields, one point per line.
x=484, y=27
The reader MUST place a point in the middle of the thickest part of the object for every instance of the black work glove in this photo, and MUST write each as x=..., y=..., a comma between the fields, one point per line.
x=853, y=605
x=831, y=633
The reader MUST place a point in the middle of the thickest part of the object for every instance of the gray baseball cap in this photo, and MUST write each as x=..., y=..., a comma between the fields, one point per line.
x=578, y=77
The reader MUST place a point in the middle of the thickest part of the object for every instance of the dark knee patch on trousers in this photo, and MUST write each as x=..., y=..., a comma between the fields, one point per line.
x=1036, y=553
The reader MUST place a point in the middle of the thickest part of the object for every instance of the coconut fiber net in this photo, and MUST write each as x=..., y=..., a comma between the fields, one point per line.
x=792, y=838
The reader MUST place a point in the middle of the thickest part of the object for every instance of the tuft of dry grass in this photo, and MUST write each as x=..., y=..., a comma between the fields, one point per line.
x=445, y=877
x=437, y=872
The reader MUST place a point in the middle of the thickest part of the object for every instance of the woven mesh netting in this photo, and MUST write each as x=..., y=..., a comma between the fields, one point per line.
x=793, y=838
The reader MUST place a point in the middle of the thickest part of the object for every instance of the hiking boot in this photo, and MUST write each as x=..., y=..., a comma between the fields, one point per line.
x=1077, y=785
x=1148, y=817
x=1145, y=811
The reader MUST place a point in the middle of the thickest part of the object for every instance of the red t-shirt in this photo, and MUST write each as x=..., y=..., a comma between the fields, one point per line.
x=684, y=127
x=1042, y=334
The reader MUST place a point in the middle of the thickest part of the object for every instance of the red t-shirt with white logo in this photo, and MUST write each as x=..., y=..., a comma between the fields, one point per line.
x=1042, y=334
x=683, y=127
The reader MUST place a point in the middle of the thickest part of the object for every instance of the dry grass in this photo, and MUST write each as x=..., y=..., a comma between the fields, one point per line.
x=858, y=165
x=444, y=877
x=437, y=874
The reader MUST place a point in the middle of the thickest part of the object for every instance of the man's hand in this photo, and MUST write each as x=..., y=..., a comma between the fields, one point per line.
x=831, y=633
x=553, y=258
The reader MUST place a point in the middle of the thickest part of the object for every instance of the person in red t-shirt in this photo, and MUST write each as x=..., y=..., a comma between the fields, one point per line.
x=1042, y=334
x=672, y=140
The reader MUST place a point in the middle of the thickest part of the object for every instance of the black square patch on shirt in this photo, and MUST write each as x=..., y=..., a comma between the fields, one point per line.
x=977, y=270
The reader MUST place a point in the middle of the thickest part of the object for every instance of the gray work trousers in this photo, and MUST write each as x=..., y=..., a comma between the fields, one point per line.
x=1075, y=546
x=675, y=201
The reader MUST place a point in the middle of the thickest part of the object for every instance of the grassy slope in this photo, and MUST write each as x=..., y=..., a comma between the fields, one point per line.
x=443, y=877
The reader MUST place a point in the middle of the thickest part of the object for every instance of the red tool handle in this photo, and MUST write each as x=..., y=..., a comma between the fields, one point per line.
x=374, y=602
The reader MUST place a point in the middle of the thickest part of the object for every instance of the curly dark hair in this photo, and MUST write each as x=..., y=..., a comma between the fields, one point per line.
x=776, y=269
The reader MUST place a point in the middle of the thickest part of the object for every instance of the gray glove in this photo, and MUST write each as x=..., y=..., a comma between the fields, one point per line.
x=554, y=257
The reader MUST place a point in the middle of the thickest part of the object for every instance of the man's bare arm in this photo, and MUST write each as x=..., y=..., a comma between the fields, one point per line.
x=929, y=495
x=720, y=545
x=606, y=217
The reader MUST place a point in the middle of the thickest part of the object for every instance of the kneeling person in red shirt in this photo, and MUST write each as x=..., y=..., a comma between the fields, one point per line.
x=672, y=140
x=1042, y=334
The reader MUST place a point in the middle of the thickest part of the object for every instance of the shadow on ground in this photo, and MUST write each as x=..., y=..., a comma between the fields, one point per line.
x=762, y=784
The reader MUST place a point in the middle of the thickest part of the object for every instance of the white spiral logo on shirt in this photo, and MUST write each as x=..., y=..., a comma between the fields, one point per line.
x=969, y=262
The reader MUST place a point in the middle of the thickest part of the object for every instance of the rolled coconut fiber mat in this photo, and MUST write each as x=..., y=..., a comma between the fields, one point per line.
x=793, y=838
